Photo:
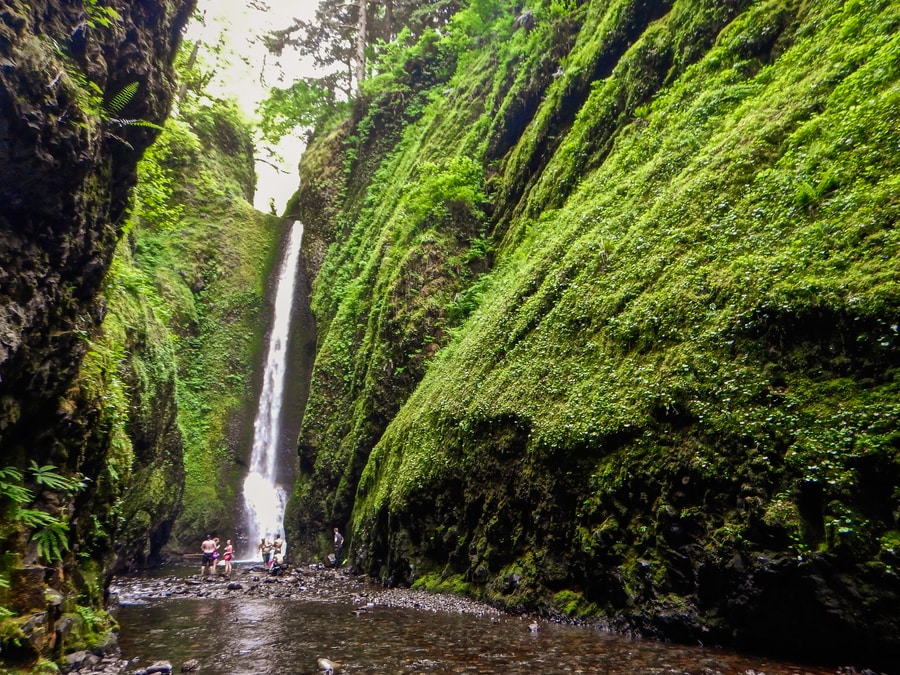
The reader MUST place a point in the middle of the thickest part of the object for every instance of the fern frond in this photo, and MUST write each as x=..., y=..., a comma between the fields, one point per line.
x=134, y=123
x=34, y=518
x=120, y=100
x=12, y=490
x=51, y=542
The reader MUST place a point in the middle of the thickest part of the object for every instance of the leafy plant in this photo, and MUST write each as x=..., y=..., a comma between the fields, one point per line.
x=51, y=541
x=110, y=109
x=46, y=475
x=810, y=196
x=51, y=531
x=10, y=488
x=100, y=16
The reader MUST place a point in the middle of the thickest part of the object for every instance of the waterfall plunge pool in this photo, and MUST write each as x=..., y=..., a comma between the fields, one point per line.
x=284, y=625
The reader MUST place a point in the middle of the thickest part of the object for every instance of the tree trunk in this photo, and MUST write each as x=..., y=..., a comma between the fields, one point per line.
x=192, y=59
x=361, y=45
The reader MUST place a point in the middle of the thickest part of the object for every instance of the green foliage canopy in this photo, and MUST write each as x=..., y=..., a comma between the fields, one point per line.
x=306, y=106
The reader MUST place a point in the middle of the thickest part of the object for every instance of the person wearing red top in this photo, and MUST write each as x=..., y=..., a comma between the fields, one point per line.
x=229, y=554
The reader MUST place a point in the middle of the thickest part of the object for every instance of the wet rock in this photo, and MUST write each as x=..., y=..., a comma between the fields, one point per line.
x=27, y=584
x=423, y=664
x=64, y=626
x=327, y=666
x=76, y=660
x=190, y=666
x=324, y=584
x=107, y=648
x=53, y=597
x=163, y=667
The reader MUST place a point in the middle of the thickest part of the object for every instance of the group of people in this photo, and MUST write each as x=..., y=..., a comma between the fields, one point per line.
x=210, y=550
x=272, y=551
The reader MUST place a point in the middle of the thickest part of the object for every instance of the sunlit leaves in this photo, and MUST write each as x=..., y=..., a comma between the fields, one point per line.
x=304, y=106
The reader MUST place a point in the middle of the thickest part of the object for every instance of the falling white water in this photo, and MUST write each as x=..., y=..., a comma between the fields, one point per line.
x=264, y=498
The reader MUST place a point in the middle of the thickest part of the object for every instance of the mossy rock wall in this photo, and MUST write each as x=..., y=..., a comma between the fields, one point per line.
x=612, y=330
x=67, y=166
x=203, y=259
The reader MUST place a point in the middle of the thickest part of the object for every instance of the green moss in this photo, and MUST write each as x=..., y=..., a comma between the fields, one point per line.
x=437, y=582
x=680, y=350
x=573, y=605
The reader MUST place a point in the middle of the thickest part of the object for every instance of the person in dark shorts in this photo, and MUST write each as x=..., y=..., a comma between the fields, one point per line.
x=208, y=548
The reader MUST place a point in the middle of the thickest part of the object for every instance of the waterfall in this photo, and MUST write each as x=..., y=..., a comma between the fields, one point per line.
x=264, y=498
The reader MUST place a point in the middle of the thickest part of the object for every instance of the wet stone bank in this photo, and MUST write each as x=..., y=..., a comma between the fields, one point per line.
x=308, y=619
x=312, y=583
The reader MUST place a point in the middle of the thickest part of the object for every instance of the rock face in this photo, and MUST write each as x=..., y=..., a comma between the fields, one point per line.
x=67, y=163
x=607, y=321
x=78, y=84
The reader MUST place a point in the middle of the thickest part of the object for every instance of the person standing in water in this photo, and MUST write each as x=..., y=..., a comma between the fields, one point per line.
x=338, y=547
x=208, y=548
x=228, y=555
x=278, y=549
x=265, y=549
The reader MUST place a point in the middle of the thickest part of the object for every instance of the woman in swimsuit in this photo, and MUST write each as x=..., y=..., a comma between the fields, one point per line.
x=229, y=554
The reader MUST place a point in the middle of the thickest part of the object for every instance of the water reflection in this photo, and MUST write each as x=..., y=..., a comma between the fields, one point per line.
x=252, y=636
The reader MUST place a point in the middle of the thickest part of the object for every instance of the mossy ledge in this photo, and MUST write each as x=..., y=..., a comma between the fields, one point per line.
x=608, y=325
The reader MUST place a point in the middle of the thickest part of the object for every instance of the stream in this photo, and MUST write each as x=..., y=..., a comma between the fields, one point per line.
x=256, y=624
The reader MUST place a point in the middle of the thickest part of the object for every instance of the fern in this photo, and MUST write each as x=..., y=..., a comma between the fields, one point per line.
x=118, y=102
x=51, y=541
x=34, y=518
x=135, y=123
x=99, y=16
x=110, y=109
x=50, y=531
x=10, y=478
x=46, y=475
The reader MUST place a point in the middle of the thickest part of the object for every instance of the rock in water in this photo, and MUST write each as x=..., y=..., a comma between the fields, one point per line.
x=328, y=666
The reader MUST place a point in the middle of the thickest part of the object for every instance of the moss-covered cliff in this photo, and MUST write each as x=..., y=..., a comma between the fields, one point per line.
x=127, y=389
x=175, y=357
x=608, y=319
x=205, y=255
x=82, y=86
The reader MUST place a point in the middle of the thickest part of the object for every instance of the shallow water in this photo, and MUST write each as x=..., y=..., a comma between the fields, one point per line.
x=258, y=636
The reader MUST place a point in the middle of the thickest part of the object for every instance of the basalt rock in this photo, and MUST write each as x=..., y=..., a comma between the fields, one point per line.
x=81, y=87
